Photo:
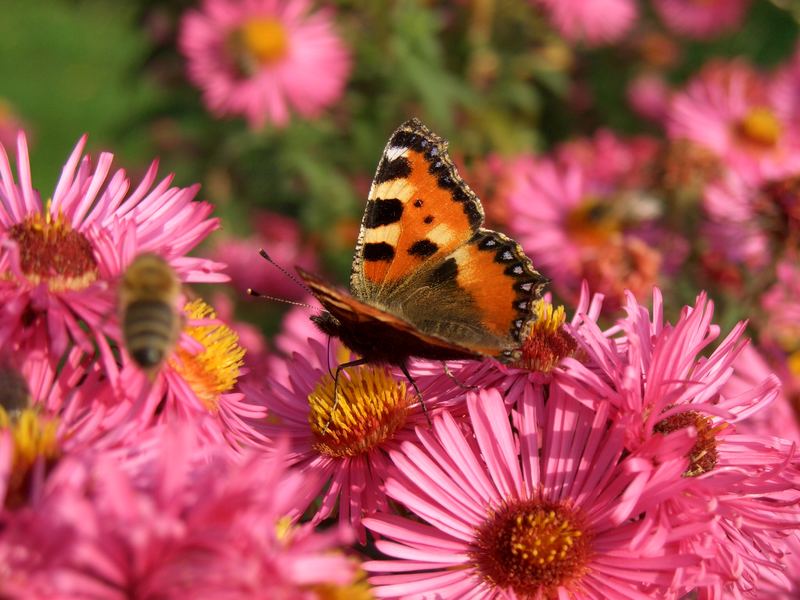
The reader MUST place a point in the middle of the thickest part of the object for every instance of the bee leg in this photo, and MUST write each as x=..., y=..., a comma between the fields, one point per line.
x=419, y=394
x=449, y=373
x=339, y=369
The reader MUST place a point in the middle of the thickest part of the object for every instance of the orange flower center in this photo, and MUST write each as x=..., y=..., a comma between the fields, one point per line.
x=760, y=127
x=532, y=547
x=265, y=40
x=51, y=251
x=547, y=342
x=703, y=456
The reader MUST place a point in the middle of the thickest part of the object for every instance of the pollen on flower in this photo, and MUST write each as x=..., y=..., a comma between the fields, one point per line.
x=547, y=342
x=532, y=547
x=371, y=405
x=214, y=370
x=357, y=590
x=51, y=251
x=34, y=437
x=704, y=455
x=760, y=127
x=261, y=42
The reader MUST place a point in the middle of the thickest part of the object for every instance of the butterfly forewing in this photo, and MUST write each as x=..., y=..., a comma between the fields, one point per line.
x=419, y=211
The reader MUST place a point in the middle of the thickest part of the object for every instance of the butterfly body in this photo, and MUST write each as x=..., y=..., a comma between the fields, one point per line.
x=428, y=280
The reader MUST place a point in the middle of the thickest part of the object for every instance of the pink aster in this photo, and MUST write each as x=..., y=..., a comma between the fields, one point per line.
x=595, y=22
x=578, y=222
x=61, y=258
x=736, y=112
x=701, y=18
x=264, y=58
x=345, y=442
x=182, y=522
x=547, y=509
x=648, y=95
x=654, y=375
x=196, y=384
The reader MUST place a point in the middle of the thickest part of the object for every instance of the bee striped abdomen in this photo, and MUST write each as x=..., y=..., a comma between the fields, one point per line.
x=148, y=328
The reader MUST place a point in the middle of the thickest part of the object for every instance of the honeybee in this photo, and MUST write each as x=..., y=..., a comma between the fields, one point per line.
x=15, y=396
x=150, y=322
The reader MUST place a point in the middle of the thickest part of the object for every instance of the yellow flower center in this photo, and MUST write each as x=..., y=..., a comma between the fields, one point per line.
x=793, y=362
x=703, y=456
x=532, y=547
x=34, y=438
x=265, y=40
x=370, y=406
x=216, y=369
x=357, y=590
x=51, y=251
x=760, y=127
x=547, y=342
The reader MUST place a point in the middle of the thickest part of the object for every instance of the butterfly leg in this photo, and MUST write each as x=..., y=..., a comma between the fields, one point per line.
x=339, y=369
x=449, y=373
x=419, y=394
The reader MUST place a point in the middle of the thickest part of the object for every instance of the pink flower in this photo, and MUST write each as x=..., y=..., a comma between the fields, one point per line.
x=701, y=19
x=547, y=509
x=579, y=221
x=648, y=94
x=263, y=58
x=595, y=22
x=343, y=442
x=658, y=382
x=197, y=380
x=736, y=112
x=61, y=260
x=280, y=236
x=182, y=522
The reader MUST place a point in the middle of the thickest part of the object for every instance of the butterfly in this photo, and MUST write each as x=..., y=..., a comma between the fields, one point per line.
x=427, y=280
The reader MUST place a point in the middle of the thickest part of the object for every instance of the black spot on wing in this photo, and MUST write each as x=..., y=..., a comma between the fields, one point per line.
x=378, y=251
x=423, y=248
x=382, y=212
x=428, y=220
x=393, y=169
x=446, y=272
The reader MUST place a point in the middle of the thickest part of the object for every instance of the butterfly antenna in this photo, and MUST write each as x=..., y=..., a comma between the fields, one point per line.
x=271, y=261
x=256, y=294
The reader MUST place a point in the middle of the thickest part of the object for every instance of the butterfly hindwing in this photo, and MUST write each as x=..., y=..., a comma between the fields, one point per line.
x=479, y=297
x=419, y=210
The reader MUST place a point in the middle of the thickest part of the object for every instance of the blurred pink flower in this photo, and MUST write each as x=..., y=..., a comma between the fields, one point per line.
x=653, y=374
x=648, y=94
x=733, y=229
x=577, y=220
x=735, y=111
x=263, y=58
x=281, y=237
x=547, y=509
x=10, y=124
x=701, y=18
x=60, y=261
x=595, y=22
x=184, y=522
